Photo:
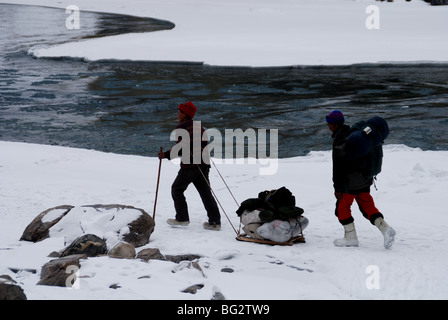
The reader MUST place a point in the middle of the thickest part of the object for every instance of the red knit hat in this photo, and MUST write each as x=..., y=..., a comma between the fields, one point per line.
x=188, y=108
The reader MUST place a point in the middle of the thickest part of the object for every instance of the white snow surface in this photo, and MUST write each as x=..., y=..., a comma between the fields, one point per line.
x=263, y=33
x=411, y=194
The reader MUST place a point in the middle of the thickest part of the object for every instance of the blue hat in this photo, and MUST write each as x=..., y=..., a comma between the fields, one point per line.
x=335, y=116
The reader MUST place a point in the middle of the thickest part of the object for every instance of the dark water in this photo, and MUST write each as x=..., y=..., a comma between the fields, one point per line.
x=131, y=107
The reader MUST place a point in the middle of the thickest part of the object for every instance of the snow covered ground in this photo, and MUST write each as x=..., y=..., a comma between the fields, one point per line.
x=412, y=192
x=267, y=33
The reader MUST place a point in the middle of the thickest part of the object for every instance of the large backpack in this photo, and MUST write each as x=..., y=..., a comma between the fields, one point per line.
x=365, y=144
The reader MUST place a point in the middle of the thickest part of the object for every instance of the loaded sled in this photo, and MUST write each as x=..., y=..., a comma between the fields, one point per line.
x=272, y=218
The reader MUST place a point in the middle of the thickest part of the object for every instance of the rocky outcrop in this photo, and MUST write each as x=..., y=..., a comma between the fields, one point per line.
x=113, y=222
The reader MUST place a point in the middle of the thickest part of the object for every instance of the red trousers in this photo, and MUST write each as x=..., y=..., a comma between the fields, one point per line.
x=365, y=204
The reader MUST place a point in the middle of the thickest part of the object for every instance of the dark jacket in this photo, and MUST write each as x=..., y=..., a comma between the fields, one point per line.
x=188, y=125
x=348, y=173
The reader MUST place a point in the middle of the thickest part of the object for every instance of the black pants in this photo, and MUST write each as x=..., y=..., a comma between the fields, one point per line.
x=193, y=175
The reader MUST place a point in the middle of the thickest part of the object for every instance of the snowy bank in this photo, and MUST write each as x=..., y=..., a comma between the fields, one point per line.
x=267, y=33
x=412, y=192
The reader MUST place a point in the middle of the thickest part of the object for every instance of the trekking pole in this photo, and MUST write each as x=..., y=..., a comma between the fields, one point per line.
x=157, y=188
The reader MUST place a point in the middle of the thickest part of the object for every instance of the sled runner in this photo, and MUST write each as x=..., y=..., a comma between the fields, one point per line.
x=290, y=242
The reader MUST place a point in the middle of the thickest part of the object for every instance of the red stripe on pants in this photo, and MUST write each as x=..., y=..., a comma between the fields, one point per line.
x=365, y=203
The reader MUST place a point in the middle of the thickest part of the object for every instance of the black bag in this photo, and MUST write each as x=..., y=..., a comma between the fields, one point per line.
x=274, y=204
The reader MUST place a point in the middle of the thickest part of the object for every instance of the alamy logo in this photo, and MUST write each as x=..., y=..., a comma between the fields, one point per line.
x=240, y=146
x=72, y=21
x=373, y=20
x=373, y=279
x=72, y=280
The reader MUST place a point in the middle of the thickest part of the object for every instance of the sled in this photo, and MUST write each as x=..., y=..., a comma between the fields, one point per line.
x=290, y=242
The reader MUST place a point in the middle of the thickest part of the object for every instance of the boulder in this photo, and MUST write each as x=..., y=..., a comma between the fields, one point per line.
x=9, y=290
x=61, y=272
x=39, y=228
x=150, y=254
x=88, y=244
x=113, y=222
x=122, y=250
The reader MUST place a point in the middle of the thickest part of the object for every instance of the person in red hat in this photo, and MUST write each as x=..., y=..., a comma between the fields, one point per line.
x=190, y=172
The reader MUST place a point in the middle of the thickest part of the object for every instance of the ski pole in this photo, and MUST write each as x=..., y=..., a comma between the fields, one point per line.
x=157, y=188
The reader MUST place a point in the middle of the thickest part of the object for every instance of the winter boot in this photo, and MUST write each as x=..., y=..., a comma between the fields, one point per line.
x=174, y=222
x=212, y=226
x=350, y=238
x=387, y=231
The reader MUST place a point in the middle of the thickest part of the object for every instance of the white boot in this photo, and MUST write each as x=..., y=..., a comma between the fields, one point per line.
x=350, y=238
x=387, y=231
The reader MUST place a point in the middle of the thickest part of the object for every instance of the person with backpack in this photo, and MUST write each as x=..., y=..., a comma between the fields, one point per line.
x=355, y=159
x=191, y=172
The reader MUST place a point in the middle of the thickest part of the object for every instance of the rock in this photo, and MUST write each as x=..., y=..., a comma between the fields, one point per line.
x=113, y=222
x=193, y=289
x=154, y=254
x=61, y=272
x=182, y=257
x=140, y=228
x=4, y=278
x=227, y=270
x=217, y=295
x=9, y=290
x=54, y=254
x=88, y=244
x=150, y=254
x=122, y=250
x=188, y=265
x=39, y=228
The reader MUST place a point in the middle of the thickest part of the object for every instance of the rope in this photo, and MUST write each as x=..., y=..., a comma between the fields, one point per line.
x=217, y=200
x=225, y=183
x=214, y=194
x=237, y=204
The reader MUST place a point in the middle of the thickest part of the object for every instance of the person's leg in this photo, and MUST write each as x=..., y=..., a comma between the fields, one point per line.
x=343, y=208
x=369, y=210
x=202, y=184
x=184, y=177
x=343, y=212
x=367, y=206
